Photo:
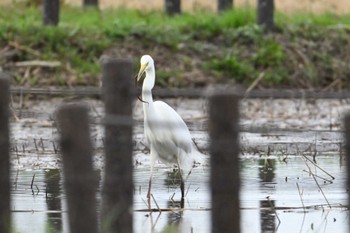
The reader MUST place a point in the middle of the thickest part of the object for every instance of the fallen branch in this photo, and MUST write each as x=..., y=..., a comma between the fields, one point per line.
x=24, y=48
x=38, y=63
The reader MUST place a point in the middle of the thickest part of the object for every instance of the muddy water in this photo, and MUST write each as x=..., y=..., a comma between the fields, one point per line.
x=278, y=193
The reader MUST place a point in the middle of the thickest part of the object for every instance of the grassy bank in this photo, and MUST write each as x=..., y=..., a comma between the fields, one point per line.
x=306, y=51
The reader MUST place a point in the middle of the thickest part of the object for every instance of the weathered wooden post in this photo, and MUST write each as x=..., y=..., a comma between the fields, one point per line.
x=347, y=150
x=5, y=215
x=173, y=7
x=90, y=3
x=117, y=190
x=51, y=12
x=224, y=152
x=79, y=179
x=224, y=5
x=265, y=14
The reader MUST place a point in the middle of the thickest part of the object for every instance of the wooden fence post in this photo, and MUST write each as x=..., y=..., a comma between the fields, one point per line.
x=5, y=215
x=51, y=12
x=224, y=152
x=79, y=179
x=347, y=149
x=117, y=190
x=224, y=5
x=173, y=7
x=92, y=3
x=265, y=14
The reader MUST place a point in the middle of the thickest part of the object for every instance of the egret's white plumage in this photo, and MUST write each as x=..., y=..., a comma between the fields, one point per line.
x=166, y=133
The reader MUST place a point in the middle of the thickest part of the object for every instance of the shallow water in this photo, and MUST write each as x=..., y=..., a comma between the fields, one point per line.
x=268, y=191
x=277, y=192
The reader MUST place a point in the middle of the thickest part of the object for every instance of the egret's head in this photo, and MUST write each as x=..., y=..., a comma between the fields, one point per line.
x=147, y=63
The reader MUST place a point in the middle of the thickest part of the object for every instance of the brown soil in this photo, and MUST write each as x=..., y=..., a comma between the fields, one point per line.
x=286, y=6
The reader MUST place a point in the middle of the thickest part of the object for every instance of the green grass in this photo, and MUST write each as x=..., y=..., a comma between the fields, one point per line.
x=242, y=51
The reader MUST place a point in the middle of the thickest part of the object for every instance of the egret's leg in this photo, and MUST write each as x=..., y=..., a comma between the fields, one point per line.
x=149, y=187
x=182, y=183
x=182, y=187
x=149, y=192
x=150, y=177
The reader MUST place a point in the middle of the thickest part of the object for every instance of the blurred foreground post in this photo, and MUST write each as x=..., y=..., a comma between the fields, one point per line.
x=117, y=190
x=173, y=7
x=79, y=178
x=224, y=152
x=265, y=14
x=5, y=215
x=51, y=12
x=347, y=150
x=224, y=5
x=92, y=3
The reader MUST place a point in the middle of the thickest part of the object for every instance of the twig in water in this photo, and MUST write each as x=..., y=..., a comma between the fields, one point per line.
x=172, y=198
x=318, y=167
x=16, y=180
x=274, y=209
x=38, y=190
x=188, y=188
x=156, y=203
x=301, y=198
x=17, y=154
x=321, y=190
x=309, y=172
x=31, y=185
x=54, y=147
x=145, y=203
x=36, y=146
x=315, y=152
x=155, y=223
x=42, y=144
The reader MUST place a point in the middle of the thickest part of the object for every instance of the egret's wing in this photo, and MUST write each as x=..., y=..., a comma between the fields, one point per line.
x=175, y=125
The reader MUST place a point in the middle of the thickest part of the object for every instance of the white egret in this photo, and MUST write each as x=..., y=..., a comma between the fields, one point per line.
x=166, y=132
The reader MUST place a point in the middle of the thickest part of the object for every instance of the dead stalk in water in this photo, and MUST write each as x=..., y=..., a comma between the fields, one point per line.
x=38, y=190
x=312, y=174
x=156, y=203
x=318, y=167
x=54, y=147
x=172, y=198
x=36, y=146
x=274, y=209
x=145, y=203
x=31, y=185
x=301, y=198
x=42, y=144
x=188, y=188
x=321, y=190
x=320, y=177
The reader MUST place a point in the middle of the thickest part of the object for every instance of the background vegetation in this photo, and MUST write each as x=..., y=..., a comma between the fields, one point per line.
x=192, y=49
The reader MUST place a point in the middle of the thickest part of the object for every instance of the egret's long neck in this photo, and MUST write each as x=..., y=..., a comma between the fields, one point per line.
x=147, y=86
